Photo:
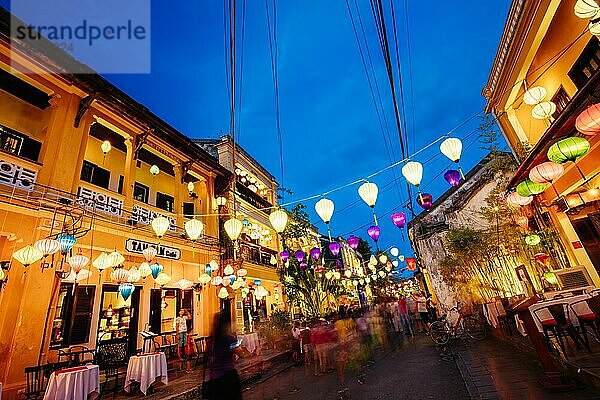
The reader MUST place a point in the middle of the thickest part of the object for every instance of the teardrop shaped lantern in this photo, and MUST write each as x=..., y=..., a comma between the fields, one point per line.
x=116, y=259
x=399, y=219
x=27, y=255
x=368, y=192
x=126, y=289
x=334, y=247
x=315, y=253
x=120, y=275
x=47, y=246
x=452, y=177
x=569, y=149
x=233, y=228
x=299, y=254
x=530, y=188
x=145, y=270
x=516, y=200
x=149, y=253
x=588, y=121
x=413, y=172
x=77, y=262
x=374, y=233
x=160, y=225
x=66, y=243
x=102, y=262
x=353, y=242
x=162, y=279
x=223, y=293
x=278, y=219
x=284, y=255
x=452, y=148
x=425, y=201
x=156, y=269
x=523, y=222
x=134, y=275
x=546, y=172
x=324, y=209
x=194, y=229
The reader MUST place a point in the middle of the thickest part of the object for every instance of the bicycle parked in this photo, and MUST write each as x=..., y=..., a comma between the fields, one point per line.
x=441, y=331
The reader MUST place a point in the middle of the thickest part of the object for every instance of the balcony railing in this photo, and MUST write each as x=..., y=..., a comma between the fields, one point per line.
x=251, y=197
x=252, y=253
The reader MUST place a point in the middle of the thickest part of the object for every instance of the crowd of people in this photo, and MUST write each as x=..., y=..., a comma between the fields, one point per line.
x=349, y=338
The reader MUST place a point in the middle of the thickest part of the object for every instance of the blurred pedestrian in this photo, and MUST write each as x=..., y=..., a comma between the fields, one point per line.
x=404, y=316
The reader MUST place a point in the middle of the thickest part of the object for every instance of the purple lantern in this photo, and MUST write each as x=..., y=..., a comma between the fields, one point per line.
x=303, y=265
x=452, y=177
x=353, y=242
x=399, y=219
x=284, y=255
x=315, y=253
x=335, y=248
x=374, y=233
x=299, y=254
x=425, y=200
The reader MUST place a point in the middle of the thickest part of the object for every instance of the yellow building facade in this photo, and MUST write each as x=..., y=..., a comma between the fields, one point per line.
x=546, y=45
x=55, y=179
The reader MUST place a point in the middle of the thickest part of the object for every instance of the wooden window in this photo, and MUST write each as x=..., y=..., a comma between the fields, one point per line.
x=561, y=99
x=188, y=210
x=73, y=316
x=95, y=175
x=164, y=308
x=586, y=65
x=140, y=192
x=21, y=145
x=165, y=201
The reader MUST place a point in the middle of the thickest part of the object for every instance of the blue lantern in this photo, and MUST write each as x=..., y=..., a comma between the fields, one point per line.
x=66, y=243
x=257, y=282
x=126, y=289
x=208, y=269
x=156, y=269
x=232, y=278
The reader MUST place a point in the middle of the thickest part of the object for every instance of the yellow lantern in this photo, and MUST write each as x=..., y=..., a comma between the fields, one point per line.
x=162, y=279
x=106, y=147
x=221, y=201
x=324, y=209
x=543, y=110
x=233, y=227
x=348, y=273
x=160, y=225
x=413, y=172
x=368, y=193
x=213, y=265
x=223, y=293
x=586, y=9
x=102, y=262
x=27, y=255
x=383, y=258
x=451, y=148
x=116, y=259
x=145, y=269
x=337, y=275
x=273, y=260
x=2, y=275
x=534, y=96
x=278, y=219
x=193, y=228
x=328, y=275
x=204, y=278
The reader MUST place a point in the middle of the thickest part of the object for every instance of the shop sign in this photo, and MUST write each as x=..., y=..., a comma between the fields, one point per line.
x=16, y=176
x=144, y=216
x=138, y=246
x=99, y=202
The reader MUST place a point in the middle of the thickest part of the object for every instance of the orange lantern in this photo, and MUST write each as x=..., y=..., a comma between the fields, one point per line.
x=411, y=264
x=588, y=122
x=523, y=222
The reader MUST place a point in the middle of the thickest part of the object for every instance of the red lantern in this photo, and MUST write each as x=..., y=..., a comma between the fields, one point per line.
x=541, y=258
x=588, y=122
x=411, y=264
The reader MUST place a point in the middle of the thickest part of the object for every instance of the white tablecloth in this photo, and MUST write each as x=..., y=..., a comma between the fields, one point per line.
x=581, y=308
x=145, y=369
x=250, y=342
x=73, y=383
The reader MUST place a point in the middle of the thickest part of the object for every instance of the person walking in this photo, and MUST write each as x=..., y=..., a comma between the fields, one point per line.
x=404, y=316
x=423, y=311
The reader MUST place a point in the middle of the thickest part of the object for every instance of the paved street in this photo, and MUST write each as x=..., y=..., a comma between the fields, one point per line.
x=417, y=371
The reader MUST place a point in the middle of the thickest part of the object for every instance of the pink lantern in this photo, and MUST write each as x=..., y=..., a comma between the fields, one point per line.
x=399, y=219
x=516, y=200
x=374, y=233
x=588, y=122
x=546, y=172
x=425, y=200
x=77, y=262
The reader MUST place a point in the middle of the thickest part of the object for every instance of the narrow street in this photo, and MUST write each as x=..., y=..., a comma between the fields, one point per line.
x=416, y=370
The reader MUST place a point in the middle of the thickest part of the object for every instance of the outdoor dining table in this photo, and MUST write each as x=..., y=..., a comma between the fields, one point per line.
x=73, y=383
x=145, y=369
x=250, y=342
x=580, y=307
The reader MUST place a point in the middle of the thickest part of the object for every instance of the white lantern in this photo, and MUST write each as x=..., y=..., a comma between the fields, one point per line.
x=273, y=260
x=204, y=278
x=77, y=262
x=149, y=253
x=413, y=172
x=233, y=227
x=135, y=275
x=594, y=27
x=193, y=228
x=213, y=265
x=223, y=293
x=534, y=96
x=324, y=209
x=120, y=275
x=337, y=275
x=228, y=270
x=102, y=262
x=543, y=110
x=516, y=200
x=190, y=186
x=217, y=280
x=145, y=269
x=184, y=284
x=105, y=147
x=451, y=148
x=395, y=263
x=546, y=172
x=348, y=273
x=586, y=9
x=383, y=258
x=47, y=246
x=368, y=193
x=116, y=259
x=382, y=273
x=162, y=279
x=278, y=219
x=328, y=275
x=27, y=255
x=394, y=252
x=242, y=272
x=2, y=275
x=160, y=225
x=225, y=281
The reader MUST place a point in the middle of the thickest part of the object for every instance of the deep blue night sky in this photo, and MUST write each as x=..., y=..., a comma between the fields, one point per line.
x=330, y=128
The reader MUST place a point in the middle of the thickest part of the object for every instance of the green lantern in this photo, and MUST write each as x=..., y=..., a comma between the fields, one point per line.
x=569, y=149
x=529, y=188
x=532, y=239
x=551, y=278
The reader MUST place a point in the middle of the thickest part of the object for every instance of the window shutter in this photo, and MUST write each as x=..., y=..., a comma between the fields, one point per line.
x=82, y=314
x=187, y=302
x=155, y=310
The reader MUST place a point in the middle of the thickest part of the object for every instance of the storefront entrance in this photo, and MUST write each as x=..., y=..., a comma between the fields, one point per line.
x=118, y=321
x=164, y=308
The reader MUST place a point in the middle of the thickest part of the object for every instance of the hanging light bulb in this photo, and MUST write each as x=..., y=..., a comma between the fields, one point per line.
x=77, y=262
x=233, y=227
x=160, y=225
x=102, y=262
x=116, y=259
x=162, y=279
x=368, y=193
x=66, y=243
x=47, y=246
x=278, y=219
x=193, y=228
x=149, y=253
x=105, y=147
x=413, y=172
x=154, y=170
x=324, y=209
x=27, y=255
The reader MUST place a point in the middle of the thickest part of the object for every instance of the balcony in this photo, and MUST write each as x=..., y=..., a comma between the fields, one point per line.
x=252, y=198
x=251, y=253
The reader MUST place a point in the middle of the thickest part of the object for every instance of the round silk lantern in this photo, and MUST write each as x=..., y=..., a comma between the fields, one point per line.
x=425, y=200
x=452, y=177
x=569, y=149
x=523, y=222
x=353, y=242
x=516, y=200
x=588, y=122
x=299, y=254
x=303, y=266
x=546, y=172
x=334, y=247
x=532, y=239
x=530, y=188
x=399, y=219
x=374, y=233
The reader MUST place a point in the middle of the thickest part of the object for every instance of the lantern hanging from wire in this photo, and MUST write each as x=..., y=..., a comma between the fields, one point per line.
x=315, y=253
x=523, y=222
x=516, y=200
x=374, y=233
x=452, y=176
x=47, y=246
x=588, y=121
x=120, y=275
x=126, y=289
x=106, y=147
x=144, y=270
x=284, y=255
x=204, y=279
x=156, y=269
x=411, y=263
x=154, y=170
x=452, y=148
x=586, y=9
x=353, y=242
x=213, y=265
x=368, y=192
x=543, y=110
x=194, y=229
x=383, y=258
x=532, y=239
x=217, y=280
x=399, y=219
x=134, y=275
x=162, y=279
x=299, y=254
x=535, y=95
x=546, y=172
x=149, y=253
x=530, y=188
x=184, y=284
x=242, y=272
x=102, y=262
x=569, y=149
x=77, y=262
x=334, y=247
x=66, y=243
x=425, y=200
x=228, y=270
x=413, y=172
x=27, y=255
x=324, y=209
x=394, y=251
x=303, y=266
x=160, y=225
x=233, y=228
x=278, y=219
x=116, y=259
x=273, y=260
